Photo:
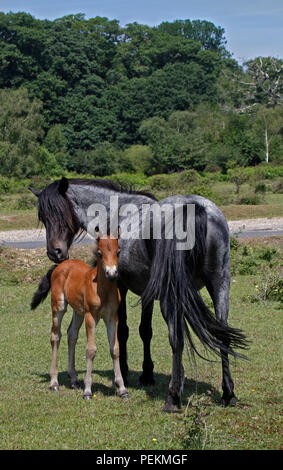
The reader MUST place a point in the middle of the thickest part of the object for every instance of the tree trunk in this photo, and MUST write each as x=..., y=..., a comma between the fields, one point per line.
x=266, y=141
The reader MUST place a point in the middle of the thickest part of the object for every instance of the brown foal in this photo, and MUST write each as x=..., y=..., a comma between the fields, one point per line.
x=93, y=294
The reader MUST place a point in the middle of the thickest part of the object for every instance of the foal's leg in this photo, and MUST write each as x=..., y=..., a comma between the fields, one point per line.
x=111, y=322
x=173, y=401
x=123, y=333
x=73, y=333
x=90, y=323
x=145, y=330
x=218, y=287
x=58, y=311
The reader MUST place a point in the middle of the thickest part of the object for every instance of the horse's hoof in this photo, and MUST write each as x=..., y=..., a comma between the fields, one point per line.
x=75, y=385
x=87, y=396
x=229, y=400
x=146, y=379
x=125, y=396
x=172, y=405
x=54, y=387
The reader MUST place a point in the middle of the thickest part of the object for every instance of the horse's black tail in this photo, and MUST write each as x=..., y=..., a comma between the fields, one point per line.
x=171, y=281
x=43, y=289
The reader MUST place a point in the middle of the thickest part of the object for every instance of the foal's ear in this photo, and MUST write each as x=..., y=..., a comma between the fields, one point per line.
x=36, y=192
x=63, y=185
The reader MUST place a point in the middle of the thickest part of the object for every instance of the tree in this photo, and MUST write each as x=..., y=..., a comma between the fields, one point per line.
x=210, y=37
x=265, y=80
x=139, y=158
x=20, y=133
x=269, y=125
x=239, y=177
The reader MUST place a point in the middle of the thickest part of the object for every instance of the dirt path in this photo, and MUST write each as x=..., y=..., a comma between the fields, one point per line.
x=247, y=227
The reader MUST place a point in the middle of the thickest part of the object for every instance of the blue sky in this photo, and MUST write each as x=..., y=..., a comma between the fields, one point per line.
x=253, y=27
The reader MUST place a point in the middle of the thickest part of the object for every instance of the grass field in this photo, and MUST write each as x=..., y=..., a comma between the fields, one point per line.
x=32, y=417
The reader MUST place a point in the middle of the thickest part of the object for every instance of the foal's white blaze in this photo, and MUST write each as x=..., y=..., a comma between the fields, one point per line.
x=111, y=270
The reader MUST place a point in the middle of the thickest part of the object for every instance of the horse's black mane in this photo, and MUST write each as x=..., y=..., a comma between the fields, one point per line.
x=53, y=206
x=108, y=184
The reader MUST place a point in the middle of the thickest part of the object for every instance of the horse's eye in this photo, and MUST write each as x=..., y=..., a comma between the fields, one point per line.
x=99, y=253
x=118, y=252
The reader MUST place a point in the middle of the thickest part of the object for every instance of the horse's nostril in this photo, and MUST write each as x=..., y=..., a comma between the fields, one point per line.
x=58, y=251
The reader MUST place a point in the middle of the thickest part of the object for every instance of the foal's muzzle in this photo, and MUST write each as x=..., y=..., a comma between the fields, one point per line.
x=111, y=273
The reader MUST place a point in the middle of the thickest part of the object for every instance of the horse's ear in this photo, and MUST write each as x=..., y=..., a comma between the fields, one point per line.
x=63, y=185
x=36, y=192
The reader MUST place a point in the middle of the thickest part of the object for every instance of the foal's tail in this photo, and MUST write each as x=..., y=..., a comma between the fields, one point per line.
x=172, y=282
x=43, y=289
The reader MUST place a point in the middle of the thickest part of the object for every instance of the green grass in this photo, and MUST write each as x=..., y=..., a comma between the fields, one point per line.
x=32, y=417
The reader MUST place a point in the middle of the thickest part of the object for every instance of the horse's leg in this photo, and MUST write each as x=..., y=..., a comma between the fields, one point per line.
x=123, y=333
x=111, y=322
x=90, y=323
x=55, y=337
x=73, y=333
x=145, y=330
x=218, y=285
x=173, y=401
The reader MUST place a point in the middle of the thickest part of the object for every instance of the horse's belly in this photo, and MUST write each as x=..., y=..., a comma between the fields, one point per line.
x=134, y=274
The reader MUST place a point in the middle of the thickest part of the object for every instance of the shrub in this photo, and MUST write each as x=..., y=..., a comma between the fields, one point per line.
x=277, y=186
x=188, y=176
x=138, y=180
x=12, y=185
x=160, y=182
x=234, y=243
x=260, y=188
x=251, y=199
x=26, y=202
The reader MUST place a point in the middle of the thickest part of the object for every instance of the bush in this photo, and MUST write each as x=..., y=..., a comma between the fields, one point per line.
x=251, y=200
x=138, y=180
x=260, y=188
x=161, y=182
x=251, y=261
x=234, y=243
x=188, y=176
x=277, y=186
x=26, y=202
x=12, y=185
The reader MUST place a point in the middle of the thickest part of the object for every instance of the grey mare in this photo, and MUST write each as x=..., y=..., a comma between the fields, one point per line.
x=155, y=269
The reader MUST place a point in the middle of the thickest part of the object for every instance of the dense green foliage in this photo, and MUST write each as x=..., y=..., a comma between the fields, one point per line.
x=93, y=97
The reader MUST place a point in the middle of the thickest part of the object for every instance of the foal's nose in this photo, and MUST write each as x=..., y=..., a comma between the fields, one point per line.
x=111, y=272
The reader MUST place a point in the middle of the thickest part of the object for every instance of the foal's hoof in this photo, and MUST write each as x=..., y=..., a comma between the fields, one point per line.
x=87, y=396
x=172, y=405
x=229, y=400
x=54, y=387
